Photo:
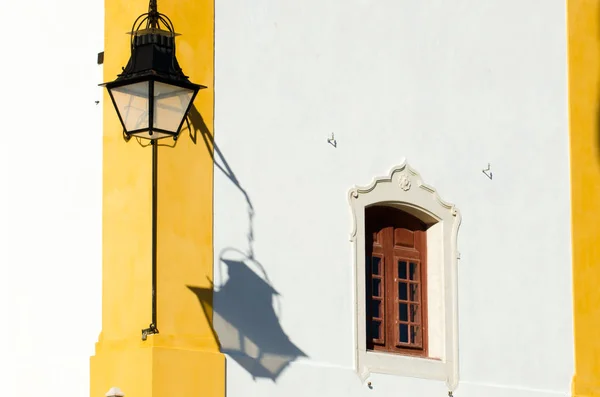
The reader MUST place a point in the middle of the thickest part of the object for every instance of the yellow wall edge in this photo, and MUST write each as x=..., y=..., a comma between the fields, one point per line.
x=584, y=113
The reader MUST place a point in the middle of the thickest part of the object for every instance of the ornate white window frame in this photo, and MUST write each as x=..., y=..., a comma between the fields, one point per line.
x=403, y=188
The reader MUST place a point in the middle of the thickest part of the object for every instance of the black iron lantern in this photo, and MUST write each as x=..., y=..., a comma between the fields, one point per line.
x=152, y=96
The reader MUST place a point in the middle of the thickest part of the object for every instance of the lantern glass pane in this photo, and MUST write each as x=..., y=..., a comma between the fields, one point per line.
x=170, y=105
x=132, y=104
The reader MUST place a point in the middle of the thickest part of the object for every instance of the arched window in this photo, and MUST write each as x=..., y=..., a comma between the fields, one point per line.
x=396, y=281
x=405, y=263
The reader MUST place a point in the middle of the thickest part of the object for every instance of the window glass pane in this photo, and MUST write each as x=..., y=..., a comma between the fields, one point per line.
x=376, y=268
x=402, y=270
x=403, y=309
x=403, y=291
x=376, y=287
x=403, y=328
x=375, y=327
x=375, y=306
x=415, y=315
x=414, y=271
x=414, y=292
x=415, y=335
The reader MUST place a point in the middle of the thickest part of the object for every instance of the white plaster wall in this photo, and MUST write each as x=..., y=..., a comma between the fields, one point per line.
x=50, y=195
x=449, y=85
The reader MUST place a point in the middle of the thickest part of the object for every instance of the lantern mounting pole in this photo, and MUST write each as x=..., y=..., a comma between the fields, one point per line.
x=152, y=329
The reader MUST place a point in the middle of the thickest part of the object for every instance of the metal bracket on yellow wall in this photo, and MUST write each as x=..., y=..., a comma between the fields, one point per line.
x=149, y=331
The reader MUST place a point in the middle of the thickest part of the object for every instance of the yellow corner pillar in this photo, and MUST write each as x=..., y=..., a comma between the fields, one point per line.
x=584, y=113
x=183, y=360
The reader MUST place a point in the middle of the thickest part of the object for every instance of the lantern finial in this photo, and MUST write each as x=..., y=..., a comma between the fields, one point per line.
x=153, y=14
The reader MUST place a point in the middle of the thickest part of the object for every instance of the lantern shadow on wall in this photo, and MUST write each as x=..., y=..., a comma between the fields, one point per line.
x=244, y=320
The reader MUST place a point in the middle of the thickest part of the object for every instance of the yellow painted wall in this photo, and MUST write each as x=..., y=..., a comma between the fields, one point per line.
x=184, y=359
x=584, y=108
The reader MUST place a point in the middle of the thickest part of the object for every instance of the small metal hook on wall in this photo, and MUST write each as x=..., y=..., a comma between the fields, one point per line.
x=488, y=171
x=332, y=141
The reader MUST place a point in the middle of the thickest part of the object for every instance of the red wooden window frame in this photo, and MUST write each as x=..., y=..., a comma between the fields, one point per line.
x=396, y=280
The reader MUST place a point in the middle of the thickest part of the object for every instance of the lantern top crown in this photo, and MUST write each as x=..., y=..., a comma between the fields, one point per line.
x=153, y=49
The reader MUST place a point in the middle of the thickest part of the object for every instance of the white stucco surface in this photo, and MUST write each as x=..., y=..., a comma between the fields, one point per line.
x=50, y=196
x=449, y=86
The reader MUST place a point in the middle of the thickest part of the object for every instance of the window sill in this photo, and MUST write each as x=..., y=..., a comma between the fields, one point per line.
x=403, y=365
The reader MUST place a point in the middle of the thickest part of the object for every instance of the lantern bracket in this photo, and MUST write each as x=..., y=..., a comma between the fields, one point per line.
x=149, y=331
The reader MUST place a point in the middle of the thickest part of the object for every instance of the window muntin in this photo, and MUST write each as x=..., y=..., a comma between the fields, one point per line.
x=410, y=314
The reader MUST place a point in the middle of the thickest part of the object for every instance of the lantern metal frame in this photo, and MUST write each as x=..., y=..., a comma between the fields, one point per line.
x=153, y=60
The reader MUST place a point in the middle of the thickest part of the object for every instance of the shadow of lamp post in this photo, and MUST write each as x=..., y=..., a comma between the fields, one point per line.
x=245, y=323
x=152, y=97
